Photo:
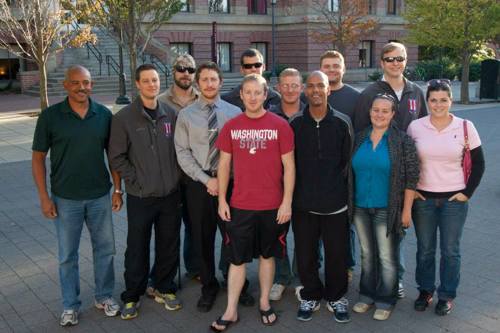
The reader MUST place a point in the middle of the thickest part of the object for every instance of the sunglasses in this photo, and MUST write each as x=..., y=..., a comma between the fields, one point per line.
x=249, y=66
x=438, y=82
x=392, y=59
x=182, y=69
x=388, y=97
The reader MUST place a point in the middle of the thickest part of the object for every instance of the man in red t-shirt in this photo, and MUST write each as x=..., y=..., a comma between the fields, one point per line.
x=260, y=146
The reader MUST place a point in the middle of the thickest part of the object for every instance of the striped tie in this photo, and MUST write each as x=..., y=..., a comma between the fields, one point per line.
x=213, y=152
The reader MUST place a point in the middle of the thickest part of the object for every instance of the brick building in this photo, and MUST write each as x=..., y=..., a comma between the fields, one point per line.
x=248, y=23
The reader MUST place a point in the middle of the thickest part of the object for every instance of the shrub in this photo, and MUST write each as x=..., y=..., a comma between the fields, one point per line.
x=375, y=76
x=474, y=71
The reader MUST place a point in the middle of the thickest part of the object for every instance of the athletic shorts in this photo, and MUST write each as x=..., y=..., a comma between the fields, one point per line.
x=254, y=233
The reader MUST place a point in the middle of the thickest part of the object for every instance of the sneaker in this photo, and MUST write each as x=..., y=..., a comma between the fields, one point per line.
x=306, y=309
x=340, y=310
x=381, y=314
x=109, y=305
x=69, y=318
x=246, y=299
x=297, y=292
x=276, y=292
x=401, y=290
x=423, y=301
x=150, y=292
x=170, y=300
x=129, y=311
x=443, y=307
x=361, y=307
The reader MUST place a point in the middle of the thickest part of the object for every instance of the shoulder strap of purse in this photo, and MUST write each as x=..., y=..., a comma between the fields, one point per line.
x=466, y=135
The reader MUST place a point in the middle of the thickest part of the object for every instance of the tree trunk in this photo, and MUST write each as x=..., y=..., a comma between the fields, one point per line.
x=132, y=51
x=464, y=87
x=132, y=47
x=44, y=98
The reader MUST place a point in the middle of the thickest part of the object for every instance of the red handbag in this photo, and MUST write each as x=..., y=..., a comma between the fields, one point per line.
x=466, y=159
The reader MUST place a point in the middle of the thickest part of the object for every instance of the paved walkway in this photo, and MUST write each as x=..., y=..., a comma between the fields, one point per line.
x=29, y=287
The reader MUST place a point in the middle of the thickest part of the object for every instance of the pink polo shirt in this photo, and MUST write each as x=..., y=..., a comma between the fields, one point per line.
x=440, y=153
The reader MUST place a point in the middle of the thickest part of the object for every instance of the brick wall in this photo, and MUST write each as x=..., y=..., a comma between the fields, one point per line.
x=28, y=79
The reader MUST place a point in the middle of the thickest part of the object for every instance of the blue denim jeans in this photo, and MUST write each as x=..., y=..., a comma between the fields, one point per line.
x=449, y=217
x=71, y=215
x=283, y=273
x=379, y=258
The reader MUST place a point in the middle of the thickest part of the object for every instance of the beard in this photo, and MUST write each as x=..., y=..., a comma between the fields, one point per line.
x=183, y=85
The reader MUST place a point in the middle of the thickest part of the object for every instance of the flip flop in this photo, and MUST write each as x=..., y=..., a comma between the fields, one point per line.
x=222, y=322
x=266, y=314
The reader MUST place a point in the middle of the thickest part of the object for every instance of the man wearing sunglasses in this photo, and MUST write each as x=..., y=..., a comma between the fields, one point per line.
x=410, y=98
x=410, y=105
x=180, y=95
x=252, y=62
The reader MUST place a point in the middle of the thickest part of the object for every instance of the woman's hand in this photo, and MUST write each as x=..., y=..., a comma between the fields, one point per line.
x=419, y=196
x=459, y=197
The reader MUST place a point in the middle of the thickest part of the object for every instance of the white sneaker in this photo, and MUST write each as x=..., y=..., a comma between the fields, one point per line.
x=297, y=292
x=69, y=318
x=276, y=292
x=109, y=305
x=381, y=314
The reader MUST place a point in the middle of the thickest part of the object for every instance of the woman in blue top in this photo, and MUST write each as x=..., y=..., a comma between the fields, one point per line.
x=385, y=168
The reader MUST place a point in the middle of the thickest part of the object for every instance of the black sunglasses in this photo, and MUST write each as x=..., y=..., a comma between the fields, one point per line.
x=392, y=59
x=182, y=69
x=438, y=82
x=249, y=66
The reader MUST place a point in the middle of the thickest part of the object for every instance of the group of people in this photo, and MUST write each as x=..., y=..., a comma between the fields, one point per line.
x=320, y=155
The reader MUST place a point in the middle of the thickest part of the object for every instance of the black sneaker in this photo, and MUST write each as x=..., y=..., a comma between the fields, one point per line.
x=206, y=302
x=423, y=301
x=306, y=309
x=340, y=310
x=443, y=307
x=246, y=299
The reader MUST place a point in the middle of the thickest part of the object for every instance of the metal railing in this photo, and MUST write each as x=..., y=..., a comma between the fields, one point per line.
x=91, y=48
x=112, y=64
x=158, y=63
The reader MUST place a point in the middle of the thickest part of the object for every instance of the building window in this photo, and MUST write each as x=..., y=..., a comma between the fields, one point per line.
x=218, y=6
x=333, y=5
x=186, y=6
x=257, y=7
x=224, y=56
x=262, y=47
x=391, y=7
x=372, y=8
x=366, y=54
x=177, y=49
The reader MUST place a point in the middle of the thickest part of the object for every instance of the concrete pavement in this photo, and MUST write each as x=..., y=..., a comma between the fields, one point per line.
x=30, y=298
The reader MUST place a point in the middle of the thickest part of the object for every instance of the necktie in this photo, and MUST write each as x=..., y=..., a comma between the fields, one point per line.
x=213, y=152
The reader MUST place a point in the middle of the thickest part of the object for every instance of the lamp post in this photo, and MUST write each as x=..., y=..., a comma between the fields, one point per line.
x=122, y=99
x=273, y=72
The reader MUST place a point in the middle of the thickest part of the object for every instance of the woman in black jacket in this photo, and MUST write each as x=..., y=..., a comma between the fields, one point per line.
x=385, y=168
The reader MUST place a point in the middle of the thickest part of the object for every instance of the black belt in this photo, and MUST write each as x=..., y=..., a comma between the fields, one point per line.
x=211, y=173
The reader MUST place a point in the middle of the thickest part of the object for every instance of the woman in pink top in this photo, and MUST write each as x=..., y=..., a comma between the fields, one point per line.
x=442, y=194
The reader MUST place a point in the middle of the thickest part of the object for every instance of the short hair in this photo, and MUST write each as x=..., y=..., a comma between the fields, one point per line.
x=320, y=74
x=290, y=72
x=389, y=47
x=74, y=68
x=183, y=58
x=249, y=53
x=142, y=68
x=210, y=65
x=438, y=85
x=254, y=78
x=331, y=54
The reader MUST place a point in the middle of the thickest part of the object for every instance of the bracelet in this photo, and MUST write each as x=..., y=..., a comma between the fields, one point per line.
x=120, y=192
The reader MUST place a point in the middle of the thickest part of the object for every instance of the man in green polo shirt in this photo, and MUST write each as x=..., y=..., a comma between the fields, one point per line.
x=76, y=132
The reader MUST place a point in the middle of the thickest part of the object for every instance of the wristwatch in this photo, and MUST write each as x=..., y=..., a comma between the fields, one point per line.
x=118, y=192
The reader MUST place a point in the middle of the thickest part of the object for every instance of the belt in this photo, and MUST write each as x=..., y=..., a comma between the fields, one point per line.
x=211, y=173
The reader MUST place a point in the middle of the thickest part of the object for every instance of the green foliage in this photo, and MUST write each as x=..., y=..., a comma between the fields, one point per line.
x=376, y=75
x=436, y=69
x=279, y=69
x=474, y=71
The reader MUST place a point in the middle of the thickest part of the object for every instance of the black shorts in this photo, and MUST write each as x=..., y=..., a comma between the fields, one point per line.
x=254, y=233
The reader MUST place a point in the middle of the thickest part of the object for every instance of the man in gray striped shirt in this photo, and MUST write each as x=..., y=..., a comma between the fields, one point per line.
x=196, y=131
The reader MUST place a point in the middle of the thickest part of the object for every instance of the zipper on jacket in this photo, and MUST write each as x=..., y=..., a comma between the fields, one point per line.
x=319, y=139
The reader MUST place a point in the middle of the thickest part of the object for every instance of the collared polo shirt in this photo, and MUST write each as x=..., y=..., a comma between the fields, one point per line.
x=168, y=97
x=372, y=169
x=441, y=153
x=77, y=159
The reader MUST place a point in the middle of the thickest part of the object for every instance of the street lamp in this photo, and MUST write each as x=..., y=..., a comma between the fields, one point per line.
x=122, y=99
x=273, y=72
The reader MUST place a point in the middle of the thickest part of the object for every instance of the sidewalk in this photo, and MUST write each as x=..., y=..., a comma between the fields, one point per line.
x=29, y=284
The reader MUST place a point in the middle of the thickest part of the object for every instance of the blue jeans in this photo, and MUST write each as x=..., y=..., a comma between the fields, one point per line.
x=283, y=273
x=449, y=217
x=379, y=258
x=71, y=215
x=351, y=259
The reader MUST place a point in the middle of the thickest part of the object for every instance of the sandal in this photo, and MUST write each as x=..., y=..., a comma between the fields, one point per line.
x=222, y=322
x=266, y=314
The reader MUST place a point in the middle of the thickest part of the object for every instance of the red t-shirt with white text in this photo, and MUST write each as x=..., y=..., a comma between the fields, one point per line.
x=256, y=146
